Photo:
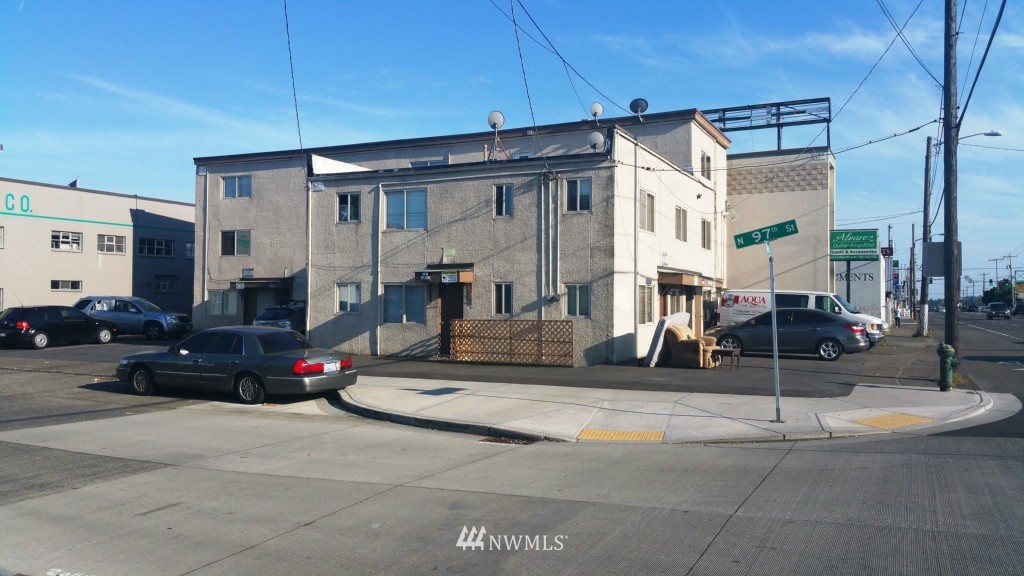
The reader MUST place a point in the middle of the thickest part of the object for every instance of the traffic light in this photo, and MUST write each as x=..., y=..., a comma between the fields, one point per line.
x=991, y=281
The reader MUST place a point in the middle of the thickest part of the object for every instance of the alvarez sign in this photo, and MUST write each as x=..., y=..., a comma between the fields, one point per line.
x=853, y=245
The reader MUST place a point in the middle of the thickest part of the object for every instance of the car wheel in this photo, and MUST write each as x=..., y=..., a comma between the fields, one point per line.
x=153, y=331
x=729, y=342
x=142, y=381
x=40, y=340
x=104, y=336
x=830, y=349
x=249, y=389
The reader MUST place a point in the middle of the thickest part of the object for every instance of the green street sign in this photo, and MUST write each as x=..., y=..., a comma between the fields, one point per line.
x=766, y=234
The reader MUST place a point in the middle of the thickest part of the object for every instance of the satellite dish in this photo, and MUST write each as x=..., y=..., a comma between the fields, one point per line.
x=596, y=110
x=638, y=106
x=495, y=120
x=596, y=141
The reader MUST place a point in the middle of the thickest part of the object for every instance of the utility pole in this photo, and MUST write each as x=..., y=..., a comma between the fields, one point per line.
x=922, y=322
x=912, y=304
x=996, y=260
x=950, y=134
x=982, y=274
x=1013, y=282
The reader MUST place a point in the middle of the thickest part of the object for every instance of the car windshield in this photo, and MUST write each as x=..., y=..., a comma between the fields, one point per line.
x=274, y=342
x=275, y=314
x=146, y=305
x=849, y=307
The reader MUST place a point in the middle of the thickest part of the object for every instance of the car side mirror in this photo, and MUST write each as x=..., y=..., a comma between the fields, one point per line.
x=835, y=310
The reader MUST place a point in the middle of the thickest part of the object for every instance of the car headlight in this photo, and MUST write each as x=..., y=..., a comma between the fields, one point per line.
x=124, y=362
x=171, y=319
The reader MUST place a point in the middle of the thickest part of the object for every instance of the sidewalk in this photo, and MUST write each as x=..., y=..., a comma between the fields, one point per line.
x=895, y=391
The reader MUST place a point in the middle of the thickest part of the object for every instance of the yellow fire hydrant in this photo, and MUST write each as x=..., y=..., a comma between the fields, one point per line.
x=947, y=361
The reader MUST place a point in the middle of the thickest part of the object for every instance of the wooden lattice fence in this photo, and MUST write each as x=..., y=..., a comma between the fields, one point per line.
x=537, y=342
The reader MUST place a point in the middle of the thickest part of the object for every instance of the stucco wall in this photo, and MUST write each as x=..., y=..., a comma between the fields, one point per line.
x=773, y=187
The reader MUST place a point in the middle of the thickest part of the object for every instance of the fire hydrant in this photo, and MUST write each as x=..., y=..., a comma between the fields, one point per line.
x=947, y=361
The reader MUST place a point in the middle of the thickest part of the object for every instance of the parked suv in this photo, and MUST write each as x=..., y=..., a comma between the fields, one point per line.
x=42, y=325
x=1019, y=308
x=997, y=309
x=136, y=316
x=291, y=316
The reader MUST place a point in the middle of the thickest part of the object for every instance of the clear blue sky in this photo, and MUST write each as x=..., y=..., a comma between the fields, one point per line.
x=123, y=95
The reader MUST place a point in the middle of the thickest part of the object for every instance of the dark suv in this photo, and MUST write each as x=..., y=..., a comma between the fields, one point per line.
x=289, y=316
x=1019, y=308
x=42, y=325
x=997, y=309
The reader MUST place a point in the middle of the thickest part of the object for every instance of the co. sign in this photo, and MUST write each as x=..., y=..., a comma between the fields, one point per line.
x=12, y=203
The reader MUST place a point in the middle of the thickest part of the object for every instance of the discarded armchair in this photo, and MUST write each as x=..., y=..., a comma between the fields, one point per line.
x=689, y=351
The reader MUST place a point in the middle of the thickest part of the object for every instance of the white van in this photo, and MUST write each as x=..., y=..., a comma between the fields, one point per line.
x=739, y=305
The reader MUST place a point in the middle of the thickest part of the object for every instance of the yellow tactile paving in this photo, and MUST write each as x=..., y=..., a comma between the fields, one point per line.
x=890, y=421
x=621, y=435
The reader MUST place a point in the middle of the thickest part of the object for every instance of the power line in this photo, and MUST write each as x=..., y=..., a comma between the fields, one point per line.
x=903, y=38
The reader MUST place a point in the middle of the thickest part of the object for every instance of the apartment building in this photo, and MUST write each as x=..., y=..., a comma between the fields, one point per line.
x=610, y=225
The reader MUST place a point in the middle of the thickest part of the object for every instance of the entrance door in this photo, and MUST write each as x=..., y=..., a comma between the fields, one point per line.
x=451, y=309
x=249, y=306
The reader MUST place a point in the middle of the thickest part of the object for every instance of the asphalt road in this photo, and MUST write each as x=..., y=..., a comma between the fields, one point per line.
x=97, y=481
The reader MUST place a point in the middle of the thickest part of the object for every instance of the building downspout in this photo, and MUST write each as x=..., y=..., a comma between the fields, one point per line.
x=379, y=290
x=309, y=249
x=544, y=208
x=636, y=251
x=206, y=241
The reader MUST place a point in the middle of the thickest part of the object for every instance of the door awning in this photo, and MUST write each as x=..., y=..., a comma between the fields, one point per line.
x=461, y=273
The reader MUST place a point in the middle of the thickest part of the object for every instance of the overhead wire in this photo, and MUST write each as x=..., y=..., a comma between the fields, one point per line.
x=903, y=38
x=556, y=53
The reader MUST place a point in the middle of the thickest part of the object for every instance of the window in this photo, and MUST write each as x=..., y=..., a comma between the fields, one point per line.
x=791, y=300
x=222, y=303
x=705, y=234
x=577, y=299
x=577, y=195
x=503, y=194
x=235, y=242
x=348, y=207
x=348, y=298
x=705, y=165
x=406, y=208
x=190, y=250
x=110, y=244
x=227, y=343
x=238, y=187
x=66, y=285
x=165, y=284
x=66, y=241
x=424, y=163
x=154, y=247
x=645, y=211
x=645, y=304
x=680, y=224
x=674, y=302
x=502, y=298
x=405, y=304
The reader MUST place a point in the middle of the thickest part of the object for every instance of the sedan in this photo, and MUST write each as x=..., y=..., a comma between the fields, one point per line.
x=251, y=361
x=800, y=331
x=39, y=326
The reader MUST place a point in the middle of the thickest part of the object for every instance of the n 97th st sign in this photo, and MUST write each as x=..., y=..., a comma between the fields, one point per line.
x=766, y=234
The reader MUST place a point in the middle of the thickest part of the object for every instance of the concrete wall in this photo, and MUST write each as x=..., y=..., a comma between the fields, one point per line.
x=867, y=286
x=772, y=187
x=276, y=216
x=30, y=212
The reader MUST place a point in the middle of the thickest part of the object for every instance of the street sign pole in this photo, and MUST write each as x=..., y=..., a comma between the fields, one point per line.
x=775, y=333
x=765, y=236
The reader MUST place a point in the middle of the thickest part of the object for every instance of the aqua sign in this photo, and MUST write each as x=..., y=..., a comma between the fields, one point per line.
x=766, y=234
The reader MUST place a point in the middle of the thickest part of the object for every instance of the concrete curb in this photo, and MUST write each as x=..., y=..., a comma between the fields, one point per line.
x=476, y=429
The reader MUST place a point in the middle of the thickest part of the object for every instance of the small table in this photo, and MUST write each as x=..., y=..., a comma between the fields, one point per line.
x=732, y=353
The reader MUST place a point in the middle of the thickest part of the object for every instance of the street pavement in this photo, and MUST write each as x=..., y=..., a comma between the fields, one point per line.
x=895, y=391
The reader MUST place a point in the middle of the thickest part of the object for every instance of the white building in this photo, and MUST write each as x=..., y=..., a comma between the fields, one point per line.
x=59, y=243
x=608, y=225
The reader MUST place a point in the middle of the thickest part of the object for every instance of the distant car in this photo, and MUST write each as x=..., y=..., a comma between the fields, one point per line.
x=40, y=326
x=251, y=361
x=287, y=316
x=136, y=316
x=800, y=331
x=971, y=308
x=1018, y=309
x=996, y=309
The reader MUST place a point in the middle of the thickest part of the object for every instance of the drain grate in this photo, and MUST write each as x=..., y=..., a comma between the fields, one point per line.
x=890, y=421
x=500, y=440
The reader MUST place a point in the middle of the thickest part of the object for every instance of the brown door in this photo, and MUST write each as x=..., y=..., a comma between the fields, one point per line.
x=451, y=309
